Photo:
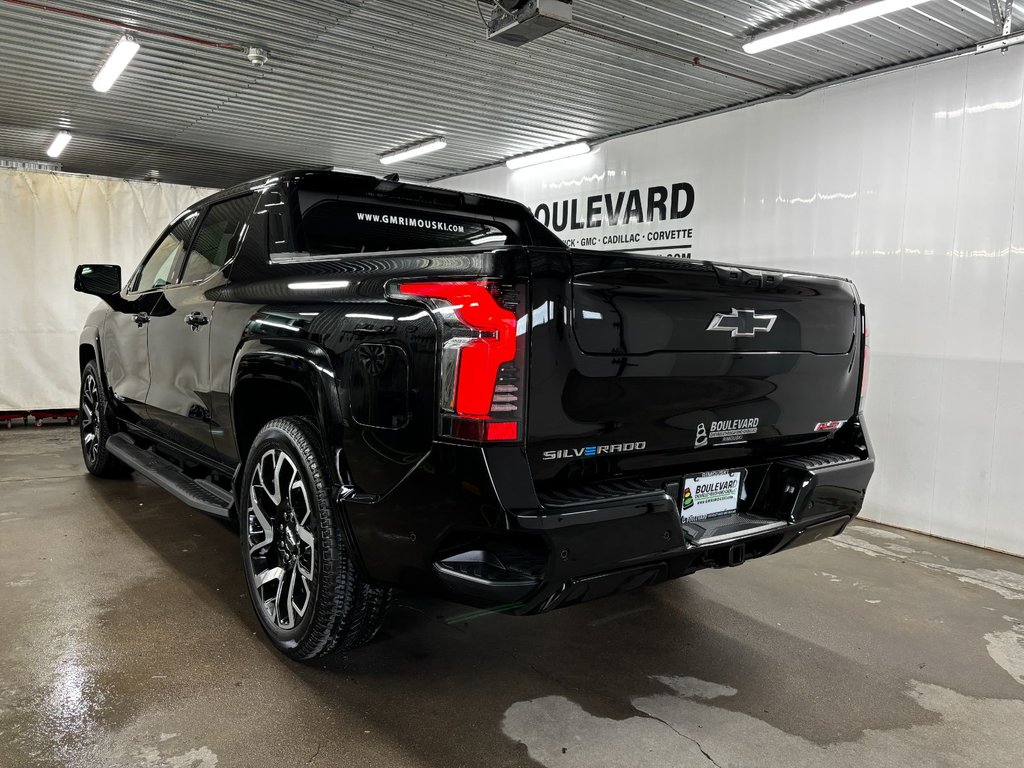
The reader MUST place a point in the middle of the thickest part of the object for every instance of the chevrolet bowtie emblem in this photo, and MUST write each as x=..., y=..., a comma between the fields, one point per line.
x=741, y=322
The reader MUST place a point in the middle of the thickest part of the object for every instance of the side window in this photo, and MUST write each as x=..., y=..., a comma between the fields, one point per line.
x=164, y=263
x=253, y=258
x=217, y=238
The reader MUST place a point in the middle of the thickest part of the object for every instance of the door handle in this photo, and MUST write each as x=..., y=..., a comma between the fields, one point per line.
x=196, y=319
x=141, y=318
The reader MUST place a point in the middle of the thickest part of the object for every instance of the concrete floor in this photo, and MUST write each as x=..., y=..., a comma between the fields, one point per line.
x=126, y=640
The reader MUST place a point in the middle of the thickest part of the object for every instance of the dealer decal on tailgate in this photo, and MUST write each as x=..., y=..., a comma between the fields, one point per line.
x=728, y=431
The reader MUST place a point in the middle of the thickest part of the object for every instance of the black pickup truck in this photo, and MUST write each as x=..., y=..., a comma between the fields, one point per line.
x=391, y=385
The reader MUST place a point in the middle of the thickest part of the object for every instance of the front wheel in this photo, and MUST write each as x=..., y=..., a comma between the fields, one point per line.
x=306, y=590
x=94, y=426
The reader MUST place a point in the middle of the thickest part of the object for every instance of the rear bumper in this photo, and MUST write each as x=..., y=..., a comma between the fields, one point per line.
x=557, y=553
x=578, y=589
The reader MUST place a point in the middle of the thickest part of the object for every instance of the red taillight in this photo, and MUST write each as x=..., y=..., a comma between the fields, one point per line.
x=481, y=356
x=503, y=430
x=865, y=363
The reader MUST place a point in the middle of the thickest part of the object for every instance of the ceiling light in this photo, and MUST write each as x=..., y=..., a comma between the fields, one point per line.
x=59, y=142
x=118, y=59
x=567, y=150
x=414, y=150
x=843, y=17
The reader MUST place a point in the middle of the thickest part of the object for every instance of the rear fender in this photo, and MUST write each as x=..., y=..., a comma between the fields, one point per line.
x=298, y=364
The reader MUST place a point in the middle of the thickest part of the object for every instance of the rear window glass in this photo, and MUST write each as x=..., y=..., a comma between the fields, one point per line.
x=332, y=226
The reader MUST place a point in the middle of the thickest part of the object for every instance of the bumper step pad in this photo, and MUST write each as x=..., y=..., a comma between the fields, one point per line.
x=820, y=461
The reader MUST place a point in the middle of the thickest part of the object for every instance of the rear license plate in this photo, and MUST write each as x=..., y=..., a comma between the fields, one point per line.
x=712, y=494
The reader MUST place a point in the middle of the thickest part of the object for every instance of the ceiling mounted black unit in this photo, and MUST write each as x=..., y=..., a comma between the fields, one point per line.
x=518, y=23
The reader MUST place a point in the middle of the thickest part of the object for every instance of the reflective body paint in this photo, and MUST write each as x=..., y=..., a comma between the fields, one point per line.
x=618, y=361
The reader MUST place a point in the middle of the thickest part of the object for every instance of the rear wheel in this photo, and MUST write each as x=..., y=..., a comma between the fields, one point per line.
x=94, y=426
x=304, y=586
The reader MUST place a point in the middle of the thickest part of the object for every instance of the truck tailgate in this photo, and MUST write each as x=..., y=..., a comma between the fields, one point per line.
x=640, y=364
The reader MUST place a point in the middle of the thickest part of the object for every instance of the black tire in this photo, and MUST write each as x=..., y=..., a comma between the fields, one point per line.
x=293, y=548
x=94, y=426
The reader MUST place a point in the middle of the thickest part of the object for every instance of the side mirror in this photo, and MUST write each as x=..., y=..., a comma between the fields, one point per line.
x=98, y=279
x=103, y=280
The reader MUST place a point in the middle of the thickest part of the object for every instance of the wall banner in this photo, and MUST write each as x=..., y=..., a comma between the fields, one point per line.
x=651, y=218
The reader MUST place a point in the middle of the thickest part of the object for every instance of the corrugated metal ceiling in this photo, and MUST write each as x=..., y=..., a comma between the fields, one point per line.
x=350, y=79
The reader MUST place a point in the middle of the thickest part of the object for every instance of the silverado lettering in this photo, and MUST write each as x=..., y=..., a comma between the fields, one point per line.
x=593, y=450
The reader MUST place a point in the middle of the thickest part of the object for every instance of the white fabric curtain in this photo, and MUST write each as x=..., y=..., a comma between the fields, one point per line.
x=50, y=223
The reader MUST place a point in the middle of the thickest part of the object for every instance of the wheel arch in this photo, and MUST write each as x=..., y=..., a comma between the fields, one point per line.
x=89, y=349
x=88, y=346
x=273, y=378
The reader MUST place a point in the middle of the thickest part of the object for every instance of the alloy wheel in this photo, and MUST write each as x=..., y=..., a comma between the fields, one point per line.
x=281, y=545
x=89, y=418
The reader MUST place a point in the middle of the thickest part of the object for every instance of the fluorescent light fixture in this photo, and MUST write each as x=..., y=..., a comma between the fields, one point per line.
x=59, y=142
x=842, y=17
x=318, y=285
x=118, y=59
x=414, y=150
x=546, y=156
x=1000, y=43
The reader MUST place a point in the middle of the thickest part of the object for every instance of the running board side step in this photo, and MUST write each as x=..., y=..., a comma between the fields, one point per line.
x=198, y=494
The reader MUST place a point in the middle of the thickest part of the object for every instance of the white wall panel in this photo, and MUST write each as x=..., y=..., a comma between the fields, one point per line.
x=1006, y=520
x=50, y=223
x=908, y=184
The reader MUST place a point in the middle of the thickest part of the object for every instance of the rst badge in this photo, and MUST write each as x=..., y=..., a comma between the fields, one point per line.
x=828, y=426
x=742, y=322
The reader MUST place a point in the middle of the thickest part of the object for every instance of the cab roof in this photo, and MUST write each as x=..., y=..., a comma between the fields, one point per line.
x=325, y=179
